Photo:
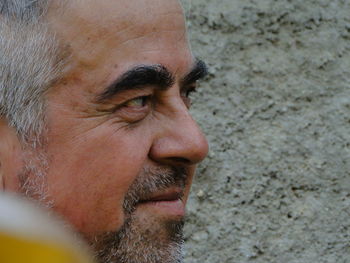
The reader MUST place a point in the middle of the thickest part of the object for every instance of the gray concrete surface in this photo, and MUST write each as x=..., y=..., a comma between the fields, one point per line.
x=276, y=110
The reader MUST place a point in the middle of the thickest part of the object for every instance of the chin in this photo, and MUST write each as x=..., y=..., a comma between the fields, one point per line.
x=154, y=209
x=143, y=238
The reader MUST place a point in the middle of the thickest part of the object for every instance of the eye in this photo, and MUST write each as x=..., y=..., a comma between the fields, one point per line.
x=134, y=110
x=138, y=102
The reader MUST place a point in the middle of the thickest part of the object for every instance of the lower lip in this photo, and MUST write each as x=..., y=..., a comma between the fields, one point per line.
x=173, y=208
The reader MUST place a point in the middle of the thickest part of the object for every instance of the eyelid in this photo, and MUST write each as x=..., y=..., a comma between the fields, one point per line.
x=129, y=95
x=137, y=98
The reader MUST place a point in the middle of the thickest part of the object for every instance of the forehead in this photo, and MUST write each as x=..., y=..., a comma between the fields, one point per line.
x=132, y=31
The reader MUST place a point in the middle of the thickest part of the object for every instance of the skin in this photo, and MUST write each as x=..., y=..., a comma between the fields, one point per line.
x=96, y=151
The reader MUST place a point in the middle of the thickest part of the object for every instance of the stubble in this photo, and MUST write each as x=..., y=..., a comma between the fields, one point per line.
x=145, y=239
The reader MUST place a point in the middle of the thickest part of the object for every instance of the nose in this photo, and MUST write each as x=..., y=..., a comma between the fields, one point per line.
x=179, y=140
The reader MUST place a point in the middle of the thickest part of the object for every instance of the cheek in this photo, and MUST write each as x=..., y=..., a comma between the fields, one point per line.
x=89, y=178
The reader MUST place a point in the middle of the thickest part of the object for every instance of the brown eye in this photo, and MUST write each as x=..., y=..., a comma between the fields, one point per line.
x=138, y=102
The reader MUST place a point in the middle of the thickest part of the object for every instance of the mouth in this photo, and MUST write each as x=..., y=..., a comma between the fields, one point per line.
x=168, y=202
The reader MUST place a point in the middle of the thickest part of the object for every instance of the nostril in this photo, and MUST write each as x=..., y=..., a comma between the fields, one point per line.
x=179, y=160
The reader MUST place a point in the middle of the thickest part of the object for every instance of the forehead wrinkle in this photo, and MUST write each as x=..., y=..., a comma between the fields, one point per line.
x=136, y=38
x=153, y=26
x=156, y=43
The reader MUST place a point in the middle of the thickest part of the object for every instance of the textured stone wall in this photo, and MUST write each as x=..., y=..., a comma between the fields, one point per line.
x=276, y=111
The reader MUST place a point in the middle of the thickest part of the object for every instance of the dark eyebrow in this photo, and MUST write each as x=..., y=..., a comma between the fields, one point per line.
x=151, y=75
x=199, y=71
x=139, y=77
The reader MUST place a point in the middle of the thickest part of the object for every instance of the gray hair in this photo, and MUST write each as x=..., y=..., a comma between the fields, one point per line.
x=24, y=10
x=30, y=61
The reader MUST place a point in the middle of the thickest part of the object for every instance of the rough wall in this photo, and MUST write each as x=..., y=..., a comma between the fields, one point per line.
x=276, y=111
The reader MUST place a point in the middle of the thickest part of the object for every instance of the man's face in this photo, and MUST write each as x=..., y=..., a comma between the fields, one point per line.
x=122, y=146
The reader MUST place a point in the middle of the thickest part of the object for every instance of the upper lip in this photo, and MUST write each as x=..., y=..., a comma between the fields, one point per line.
x=166, y=195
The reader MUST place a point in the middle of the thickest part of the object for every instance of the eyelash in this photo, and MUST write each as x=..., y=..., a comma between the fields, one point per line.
x=190, y=90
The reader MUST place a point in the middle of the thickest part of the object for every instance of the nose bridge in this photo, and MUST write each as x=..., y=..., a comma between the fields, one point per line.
x=181, y=139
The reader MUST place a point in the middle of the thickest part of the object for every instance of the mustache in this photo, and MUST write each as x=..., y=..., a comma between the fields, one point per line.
x=152, y=180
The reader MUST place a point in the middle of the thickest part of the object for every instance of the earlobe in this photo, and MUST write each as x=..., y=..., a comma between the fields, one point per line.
x=10, y=160
x=1, y=182
x=2, y=185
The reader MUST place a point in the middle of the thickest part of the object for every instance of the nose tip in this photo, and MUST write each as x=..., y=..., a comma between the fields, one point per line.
x=200, y=146
x=191, y=144
x=182, y=141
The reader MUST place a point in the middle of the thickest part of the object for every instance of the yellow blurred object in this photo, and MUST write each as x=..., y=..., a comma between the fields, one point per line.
x=14, y=249
x=28, y=234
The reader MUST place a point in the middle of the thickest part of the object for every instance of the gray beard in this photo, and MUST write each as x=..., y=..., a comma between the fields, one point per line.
x=145, y=240
x=137, y=243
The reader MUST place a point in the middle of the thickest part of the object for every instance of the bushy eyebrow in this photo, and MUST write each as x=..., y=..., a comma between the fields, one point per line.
x=139, y=77
x=150, y=75
x=199, y=71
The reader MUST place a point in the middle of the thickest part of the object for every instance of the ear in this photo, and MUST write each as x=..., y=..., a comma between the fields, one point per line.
x=10, y=157
x=2, y=187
